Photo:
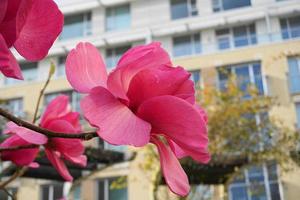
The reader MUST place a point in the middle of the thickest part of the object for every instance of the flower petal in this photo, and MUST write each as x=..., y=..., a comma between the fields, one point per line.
x=175, y=176
x=57, y=108
x=58, y=164
x=43, y=23
x=132, y=62
x=26, y=134
x=3, y=7
x=17, y=156
x=178, y=120
x=117, y=124
x=8, y=64
x=72, y=147
x=163, y=80
x=85, y=68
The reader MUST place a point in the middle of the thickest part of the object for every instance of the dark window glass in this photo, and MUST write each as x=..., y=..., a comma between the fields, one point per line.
x=113, y=55
x=290, y=27
x=239, y=193
x=45, y=192
x=179, y=9
x=294, y=75
x=230, y=4
x=57, y=191
x=186, y=45
x=101, y=190
x=117, y=193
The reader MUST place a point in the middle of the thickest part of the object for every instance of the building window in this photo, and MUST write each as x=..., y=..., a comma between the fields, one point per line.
x=186, y=45
x=4, y=196
x=196, y=77
x=294, y=75
x=256, y=182
x=236, y=37
x=106, y=191
x=183, y=8
x=74, y=98
x=290, y=27
x=60, y=70
x=52, y=192
x=220, y=5
x=246, y=74
x=118, y=18
x=15, y=106
x=113, y=55
x=29, y=71
x=298, y=114
x=76, y=26
x=77, y=193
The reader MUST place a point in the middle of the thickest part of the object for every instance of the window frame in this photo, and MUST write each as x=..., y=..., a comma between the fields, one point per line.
x=220, y=6
x=288, y=29
x=192, y=9
x=115, y=55
x=106, y=191
x=86, y=22
x=50, y=188
x=192, y=43
x=114, y=15
x=290, y=76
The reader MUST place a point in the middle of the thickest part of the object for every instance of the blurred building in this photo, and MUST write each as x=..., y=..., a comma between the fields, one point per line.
x=257, y=40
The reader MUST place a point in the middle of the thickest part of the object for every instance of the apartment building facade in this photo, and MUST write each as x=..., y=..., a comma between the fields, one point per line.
x=257, y=40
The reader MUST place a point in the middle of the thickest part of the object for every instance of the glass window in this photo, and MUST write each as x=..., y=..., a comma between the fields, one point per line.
x=298, y=114
x=77, y=193
x=113, y=55
x=52, y=192
x=195, y=77
x=294, y=75
x=118, y=18
x=107, y=192
x=117, y=193
x=246, y=75
x=237, y=36
x=15, y=106
x=60, y=70
x=219, y=5
x=183, y=8
x=78, y=25
x=29, y=71
x=290, y=27
x=256, y=186
x=186, y=45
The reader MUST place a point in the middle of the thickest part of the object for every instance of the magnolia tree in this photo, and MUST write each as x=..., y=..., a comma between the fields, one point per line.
x=144, y=100
x=240, y=126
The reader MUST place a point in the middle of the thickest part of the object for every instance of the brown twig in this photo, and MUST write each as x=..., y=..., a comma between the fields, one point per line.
x=15, y=148
x=50, y=74
x=17, y=174
x=48, y=133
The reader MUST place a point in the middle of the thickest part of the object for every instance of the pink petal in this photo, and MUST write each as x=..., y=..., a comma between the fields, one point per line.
x=85, y=68
x=117, y=124
x=58, y=164
x=57, y=108
x=74, y=119
x=72, y=147
x=43, y=23
x=26, y=134
x=79, y=160
x=3, y=7
x=179, y=121
x=174, y=175
x=132, y=62
x=8, y=64
x=199, y=154
x=22, y=157
x=34, y=165
x=163, y=80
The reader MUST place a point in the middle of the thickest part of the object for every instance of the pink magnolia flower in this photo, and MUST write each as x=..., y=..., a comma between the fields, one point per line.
x=142, y=100
x=31, y=27
x=57, y=117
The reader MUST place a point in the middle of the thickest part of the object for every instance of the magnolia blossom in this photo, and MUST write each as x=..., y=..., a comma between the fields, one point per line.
x=145, y=99
x=59, y=118
x=31, y=27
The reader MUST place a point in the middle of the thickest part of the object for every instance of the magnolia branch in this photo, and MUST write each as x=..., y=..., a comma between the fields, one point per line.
x=46, y=132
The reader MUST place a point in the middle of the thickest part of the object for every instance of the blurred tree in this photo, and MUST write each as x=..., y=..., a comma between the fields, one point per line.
x=240, y=125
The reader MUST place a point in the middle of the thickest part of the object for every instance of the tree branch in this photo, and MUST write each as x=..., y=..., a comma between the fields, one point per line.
x=48, y=133
x=15, y=148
